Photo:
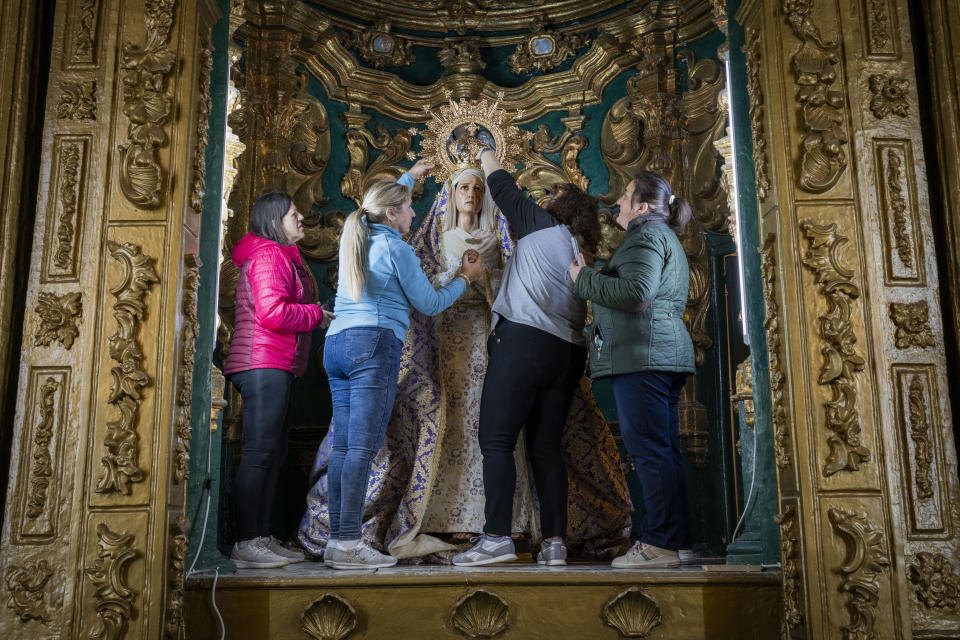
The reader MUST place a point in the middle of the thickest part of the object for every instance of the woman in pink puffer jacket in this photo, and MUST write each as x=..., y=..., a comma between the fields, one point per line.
x=275, y=314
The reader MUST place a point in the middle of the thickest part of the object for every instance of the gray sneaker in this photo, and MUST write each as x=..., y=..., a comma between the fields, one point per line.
x=254, y=554
x=552, y=554
x=278, y=549
x=362, y=556
x=688, y=556
x=487, y=550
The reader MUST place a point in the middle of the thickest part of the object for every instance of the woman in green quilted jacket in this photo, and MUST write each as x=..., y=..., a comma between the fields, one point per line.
x=639, y=340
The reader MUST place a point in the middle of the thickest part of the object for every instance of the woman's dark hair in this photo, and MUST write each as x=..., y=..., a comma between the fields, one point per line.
x=266, y=216
x=654, y=189
x=578, y=210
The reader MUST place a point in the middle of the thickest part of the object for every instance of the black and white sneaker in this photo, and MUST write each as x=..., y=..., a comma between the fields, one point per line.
x=487, y=550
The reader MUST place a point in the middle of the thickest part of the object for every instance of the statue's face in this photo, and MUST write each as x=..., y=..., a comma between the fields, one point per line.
x=469, y=195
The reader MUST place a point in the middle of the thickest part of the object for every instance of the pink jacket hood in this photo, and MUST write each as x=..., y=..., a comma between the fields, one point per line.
x=251, y=244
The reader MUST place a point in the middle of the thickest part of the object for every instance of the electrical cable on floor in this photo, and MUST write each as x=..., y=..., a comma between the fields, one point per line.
x=203, y=531
x=746, y=505
x=213, y=601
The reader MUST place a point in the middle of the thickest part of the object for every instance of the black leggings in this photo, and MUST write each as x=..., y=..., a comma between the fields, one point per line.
x=266, y=399
x=531, y=377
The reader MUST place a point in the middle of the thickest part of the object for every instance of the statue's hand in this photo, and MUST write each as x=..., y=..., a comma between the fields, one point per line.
x=472, y=265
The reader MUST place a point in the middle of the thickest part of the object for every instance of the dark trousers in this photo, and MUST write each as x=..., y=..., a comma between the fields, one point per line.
x=266, y=399
x=650, y=424
x=531, y=376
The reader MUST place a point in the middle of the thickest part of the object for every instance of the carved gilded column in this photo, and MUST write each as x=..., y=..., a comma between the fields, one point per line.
x=863, y=439
x=93, y=527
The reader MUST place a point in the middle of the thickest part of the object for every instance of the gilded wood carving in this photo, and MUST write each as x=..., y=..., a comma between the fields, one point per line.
x=173, y=624
x=78, y=101
x=815, y=65
x=41, y=468
x=866, y=558
x=329, y=618
x=541, y=177
x=544, y=49
x=82, y=50
x=778, y=380
x=145, y=74
x=58, y=317
x=121, y=463
x=633, y=613
x=480, y=614
x=26, y=585
x=113, y=597
x=71, y=154
x=935, y=583
x=897, y=206
x=761, y=162
x=204, y=105
x=889, y=96
x=920, y=434
x=879, y=25
x=841, y=361
x=361, y=172
x=912, y=320
x=188, y=350
x=790, y=559
x=378, y=47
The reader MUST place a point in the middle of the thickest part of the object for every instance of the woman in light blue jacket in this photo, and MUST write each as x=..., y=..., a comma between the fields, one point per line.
x=380, y=278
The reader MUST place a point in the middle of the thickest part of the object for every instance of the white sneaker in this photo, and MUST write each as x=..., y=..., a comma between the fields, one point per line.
x=361, y=556
x=487, y=550
x=646, y=556
x=278, y=549
x=254, y=554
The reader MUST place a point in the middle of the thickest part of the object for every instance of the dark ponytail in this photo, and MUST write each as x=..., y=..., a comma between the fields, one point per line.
x=680, y=214
x=654, y=189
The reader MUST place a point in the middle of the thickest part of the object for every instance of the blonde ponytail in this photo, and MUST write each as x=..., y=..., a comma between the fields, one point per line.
x=355, y=238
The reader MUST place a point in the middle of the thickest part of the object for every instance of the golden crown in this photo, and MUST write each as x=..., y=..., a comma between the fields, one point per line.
x=457, y=131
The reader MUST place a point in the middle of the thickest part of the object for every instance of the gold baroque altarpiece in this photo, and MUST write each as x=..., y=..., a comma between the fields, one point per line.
x=864, y=446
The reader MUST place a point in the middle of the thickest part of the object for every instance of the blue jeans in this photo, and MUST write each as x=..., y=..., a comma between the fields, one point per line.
x=362, y=365
x=650, y=424
x=266, y=400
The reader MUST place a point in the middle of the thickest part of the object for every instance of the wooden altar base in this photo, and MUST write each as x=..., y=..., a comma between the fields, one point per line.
x=516, y=601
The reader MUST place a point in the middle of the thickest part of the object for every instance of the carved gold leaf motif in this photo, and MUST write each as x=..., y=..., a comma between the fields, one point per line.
x=937, y=586
x=329, y=618
x=790, y=559
x=188, y=346
x=113, y=596
x=778, y=380
x=898, y=207
x=377, y=46
x=78, y=101
x=204, y=106
x=889, y=96
x=59, y=316
x=841, y=362
x=173, y=626
x=148, y=105
x=632, y=613
x=42, y=469
x=866, y=558
x=912, y=320
x=26, y=584
x=83, y=38
x=757, y=115
x=879, y=34
x=121, y=464
x=822, y=157
x=69, y=195
x=920, y=434
x=480, y=614
x=544, y=49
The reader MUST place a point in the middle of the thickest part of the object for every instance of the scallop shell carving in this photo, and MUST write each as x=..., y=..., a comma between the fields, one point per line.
x=632, y=613
x=480, y=614
x=329, y=618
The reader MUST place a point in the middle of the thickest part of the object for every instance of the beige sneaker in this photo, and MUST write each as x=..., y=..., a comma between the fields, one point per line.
x=646, y=556
x=254, y=554
x=278, y=549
